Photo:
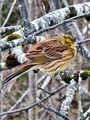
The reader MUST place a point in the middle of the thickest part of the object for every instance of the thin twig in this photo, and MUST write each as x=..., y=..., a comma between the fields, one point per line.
x=11, y=9
x=50, y=108
x=34, y=104
x=79, y=99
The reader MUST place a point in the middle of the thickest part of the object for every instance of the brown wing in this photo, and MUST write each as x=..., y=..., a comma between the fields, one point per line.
x=55, y=52
x=46, y=51
x=47, y=43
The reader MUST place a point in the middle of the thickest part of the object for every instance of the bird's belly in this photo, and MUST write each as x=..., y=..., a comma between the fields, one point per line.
x=54, y=67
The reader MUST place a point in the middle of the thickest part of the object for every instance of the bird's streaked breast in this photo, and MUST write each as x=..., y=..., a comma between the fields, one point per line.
x=60, y=65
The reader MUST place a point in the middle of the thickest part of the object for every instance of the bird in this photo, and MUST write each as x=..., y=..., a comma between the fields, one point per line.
x=51, y=56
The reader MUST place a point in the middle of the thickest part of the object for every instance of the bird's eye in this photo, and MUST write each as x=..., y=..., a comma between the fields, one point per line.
x=67, y=42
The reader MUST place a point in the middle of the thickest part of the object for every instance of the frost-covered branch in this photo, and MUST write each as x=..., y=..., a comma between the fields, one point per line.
x=44, y=23
x=65, y=106
x=82, y=48
x=18, y=42
x=9, y=28
x=59, y=16
x=86, y=114
x=80, y=98
x=24, y=17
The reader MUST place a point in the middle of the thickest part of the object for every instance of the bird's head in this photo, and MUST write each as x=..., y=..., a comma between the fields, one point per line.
x=68, y=40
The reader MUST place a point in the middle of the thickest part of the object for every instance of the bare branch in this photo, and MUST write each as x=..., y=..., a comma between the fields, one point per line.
x=42, y=24
x=86, y=114
x=46, y=82
x=50, y=108
x=11, y=9
x=79, y=99
x=9, y=28
x=72, y=88
x=34, y=104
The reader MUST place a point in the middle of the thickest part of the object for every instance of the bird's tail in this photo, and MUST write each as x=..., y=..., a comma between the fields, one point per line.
x=21, y=70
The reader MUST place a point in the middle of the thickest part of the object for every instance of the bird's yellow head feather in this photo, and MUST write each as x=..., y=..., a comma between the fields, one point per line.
x=68, y=40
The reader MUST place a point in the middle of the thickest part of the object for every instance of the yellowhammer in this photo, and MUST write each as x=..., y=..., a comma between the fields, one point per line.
x=51, y=56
